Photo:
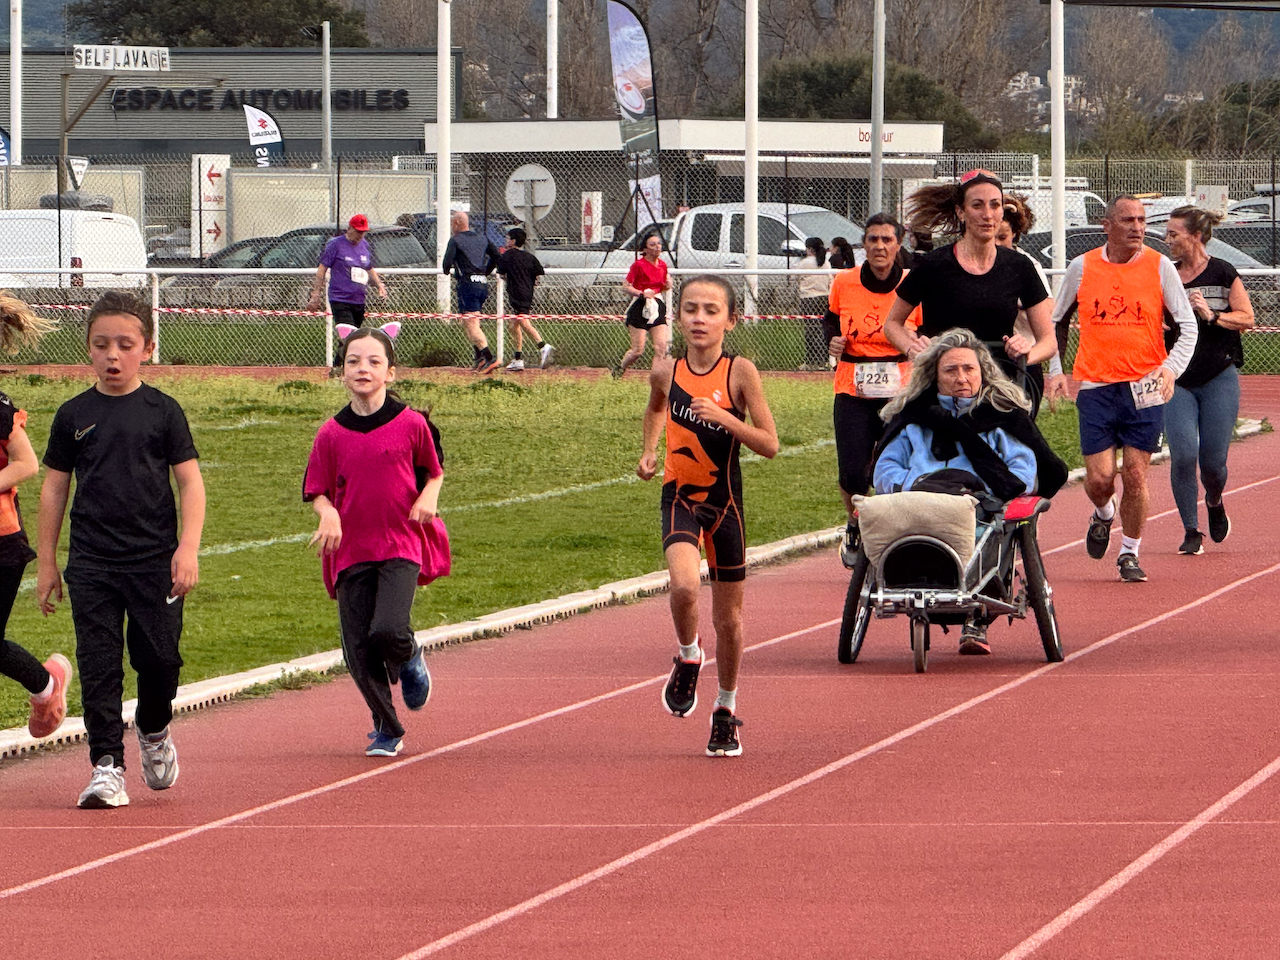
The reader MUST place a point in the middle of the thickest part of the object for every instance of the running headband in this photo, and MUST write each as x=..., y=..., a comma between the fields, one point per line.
x=981, y=176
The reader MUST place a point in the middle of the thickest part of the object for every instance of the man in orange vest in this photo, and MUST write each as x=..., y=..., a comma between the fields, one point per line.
x=1126, y=292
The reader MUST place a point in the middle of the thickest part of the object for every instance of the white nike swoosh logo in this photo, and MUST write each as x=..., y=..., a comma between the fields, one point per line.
x=80, y=434
x=170, y=599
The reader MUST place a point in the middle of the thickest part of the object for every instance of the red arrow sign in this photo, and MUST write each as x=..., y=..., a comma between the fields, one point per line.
x=211, y=176
x=215, y=230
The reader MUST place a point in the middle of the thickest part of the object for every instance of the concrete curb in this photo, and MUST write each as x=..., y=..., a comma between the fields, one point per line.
x=196, y=696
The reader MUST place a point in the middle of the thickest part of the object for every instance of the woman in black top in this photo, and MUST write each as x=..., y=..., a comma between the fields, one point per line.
x=972, y=283
x=1201, y=416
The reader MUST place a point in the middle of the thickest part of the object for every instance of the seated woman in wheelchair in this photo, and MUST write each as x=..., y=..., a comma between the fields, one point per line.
x=962, y=426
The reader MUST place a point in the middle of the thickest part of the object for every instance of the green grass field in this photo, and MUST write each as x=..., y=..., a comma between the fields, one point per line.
x=261, y=600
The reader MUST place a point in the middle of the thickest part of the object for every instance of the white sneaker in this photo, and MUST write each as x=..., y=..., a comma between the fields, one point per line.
x=545, y=353
x=159, y=759
x=106, y=789
x=515, y=366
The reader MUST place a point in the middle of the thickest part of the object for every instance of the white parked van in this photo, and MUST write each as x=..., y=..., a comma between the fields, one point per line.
x=102, y=242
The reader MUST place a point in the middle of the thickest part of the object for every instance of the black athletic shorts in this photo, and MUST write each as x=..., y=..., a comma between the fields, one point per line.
x=635, y=314
x=718, y=530
x=352, y=313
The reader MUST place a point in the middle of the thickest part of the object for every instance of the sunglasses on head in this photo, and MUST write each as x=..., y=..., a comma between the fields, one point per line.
x=981, y=176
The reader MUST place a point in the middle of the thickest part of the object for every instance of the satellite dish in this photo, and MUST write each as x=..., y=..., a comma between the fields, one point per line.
x=531, y=192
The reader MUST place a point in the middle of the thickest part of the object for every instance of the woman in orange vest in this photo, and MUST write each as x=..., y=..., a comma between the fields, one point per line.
x=869, y=369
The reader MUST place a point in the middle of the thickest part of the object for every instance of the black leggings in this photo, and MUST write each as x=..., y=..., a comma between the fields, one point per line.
x=15, y=662
x=374, y=600
x=858, y=429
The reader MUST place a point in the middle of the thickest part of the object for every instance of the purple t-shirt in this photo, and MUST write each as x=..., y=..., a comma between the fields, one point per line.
x=349, y=264
x=369, y=477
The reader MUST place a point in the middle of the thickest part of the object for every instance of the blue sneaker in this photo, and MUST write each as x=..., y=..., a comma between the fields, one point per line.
x=415, y=682
x=383, y=745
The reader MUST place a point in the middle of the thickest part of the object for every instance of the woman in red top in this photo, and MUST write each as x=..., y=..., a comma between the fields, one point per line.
x=646, y=281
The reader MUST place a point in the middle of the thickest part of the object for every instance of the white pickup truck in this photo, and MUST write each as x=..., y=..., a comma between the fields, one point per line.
x=712, y=237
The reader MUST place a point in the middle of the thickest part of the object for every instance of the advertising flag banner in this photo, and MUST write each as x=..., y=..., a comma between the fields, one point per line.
x=633, y=90
x=6, y=147
x=209, y=203
x=632, y=79
x=264, y=136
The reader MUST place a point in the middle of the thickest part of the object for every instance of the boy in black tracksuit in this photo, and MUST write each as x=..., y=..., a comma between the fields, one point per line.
x=121, y=438
x=522, y=270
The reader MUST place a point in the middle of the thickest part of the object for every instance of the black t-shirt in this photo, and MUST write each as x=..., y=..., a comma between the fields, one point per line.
x=120, y=449
x=985, y=304
x=1216, y=347
x=522, y=269
x=15, y=550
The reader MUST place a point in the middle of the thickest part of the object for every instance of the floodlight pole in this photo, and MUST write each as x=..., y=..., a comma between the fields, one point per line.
x=15, y=82
x=875, y=198
x=751, y=158
x=1058, y=134
x=553, y=59
x=444, y=145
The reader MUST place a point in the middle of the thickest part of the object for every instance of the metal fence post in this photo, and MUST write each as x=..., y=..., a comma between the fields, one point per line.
x=1191, y=178
x=499, y=335
x=155, y=317
x=328, y=334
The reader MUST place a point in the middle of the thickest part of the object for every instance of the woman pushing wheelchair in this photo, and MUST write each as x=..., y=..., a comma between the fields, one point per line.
x=960, y=426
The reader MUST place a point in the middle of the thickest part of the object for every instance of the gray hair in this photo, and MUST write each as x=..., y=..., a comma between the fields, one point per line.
x=997, y=389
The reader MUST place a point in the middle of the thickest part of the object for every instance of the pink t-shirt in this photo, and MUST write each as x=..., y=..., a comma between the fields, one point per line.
x=369, y=477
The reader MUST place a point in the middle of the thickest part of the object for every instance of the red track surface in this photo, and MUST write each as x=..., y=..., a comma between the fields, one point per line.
x=954, y=814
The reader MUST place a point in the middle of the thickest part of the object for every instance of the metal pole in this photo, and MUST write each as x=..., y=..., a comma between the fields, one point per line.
x=786, y=199
x=444, y=146
x=15, y=81
x=553, y=59
x=155, y=317
x=1273, y=210
x=875, y=201
x=751, y=159
x=326, y=94
x=62, y=138
x=1058, y=134
x=499, y=337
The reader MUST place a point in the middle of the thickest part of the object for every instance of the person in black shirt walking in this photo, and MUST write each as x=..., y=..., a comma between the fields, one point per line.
x=121, y=438
x=522, y=270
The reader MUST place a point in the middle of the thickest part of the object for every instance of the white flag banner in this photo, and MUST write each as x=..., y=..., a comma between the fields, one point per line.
x=264, y=136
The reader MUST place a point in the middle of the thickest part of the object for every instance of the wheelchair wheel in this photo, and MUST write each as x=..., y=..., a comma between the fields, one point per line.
x=857, y=611
x=920, y=644
x=1040, y=593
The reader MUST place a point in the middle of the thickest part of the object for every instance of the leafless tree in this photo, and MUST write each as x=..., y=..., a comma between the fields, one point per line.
x=1124, y=58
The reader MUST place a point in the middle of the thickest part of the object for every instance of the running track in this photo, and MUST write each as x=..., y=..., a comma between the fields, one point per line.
x=1120, y=805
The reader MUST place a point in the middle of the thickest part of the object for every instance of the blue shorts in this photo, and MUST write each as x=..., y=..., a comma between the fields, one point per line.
x=1109, y=420
x=471, y=296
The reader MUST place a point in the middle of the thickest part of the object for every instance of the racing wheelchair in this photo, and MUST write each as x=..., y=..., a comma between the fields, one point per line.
x=926, y=579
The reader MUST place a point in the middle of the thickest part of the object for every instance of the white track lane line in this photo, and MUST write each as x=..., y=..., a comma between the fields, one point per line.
x=1160, y=516
x=747, y=806
x=235, y=818
x=1151, y=857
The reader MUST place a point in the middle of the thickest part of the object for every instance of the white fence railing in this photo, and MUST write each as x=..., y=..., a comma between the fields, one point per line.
x=259, y=317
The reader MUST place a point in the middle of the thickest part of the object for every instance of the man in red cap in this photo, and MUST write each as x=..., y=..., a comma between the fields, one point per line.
x=349, y=262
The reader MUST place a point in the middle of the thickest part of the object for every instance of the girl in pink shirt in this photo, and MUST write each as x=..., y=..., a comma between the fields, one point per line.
x=374, y=478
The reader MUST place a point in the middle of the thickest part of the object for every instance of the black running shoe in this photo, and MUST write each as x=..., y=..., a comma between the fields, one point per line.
x=849, y=546
x=1192, y=544
x=1219, y=522
x=1098, y=539
x=680, y=695
x=724, y=734
x=1130, y=572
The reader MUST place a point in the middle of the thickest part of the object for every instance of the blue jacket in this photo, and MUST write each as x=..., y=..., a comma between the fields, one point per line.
x=909, y=455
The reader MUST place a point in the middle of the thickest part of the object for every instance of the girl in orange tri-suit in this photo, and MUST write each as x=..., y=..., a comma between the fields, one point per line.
x=710, y=404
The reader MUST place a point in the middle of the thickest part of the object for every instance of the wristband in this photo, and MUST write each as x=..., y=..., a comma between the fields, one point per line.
x=1214, y=319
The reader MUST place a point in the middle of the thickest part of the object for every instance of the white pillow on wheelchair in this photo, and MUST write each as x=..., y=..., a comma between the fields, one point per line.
x=887, y=517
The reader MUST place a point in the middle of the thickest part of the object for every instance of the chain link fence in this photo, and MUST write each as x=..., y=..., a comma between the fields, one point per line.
x=246, y=319
x=232, y=291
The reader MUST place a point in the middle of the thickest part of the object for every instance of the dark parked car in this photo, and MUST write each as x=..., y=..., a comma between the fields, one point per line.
x=301, y=249
x=423, y=226
x=236, y=255
x=1259, y=239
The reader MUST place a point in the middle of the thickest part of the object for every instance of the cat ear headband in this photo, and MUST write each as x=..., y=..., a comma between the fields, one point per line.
x=392, y=329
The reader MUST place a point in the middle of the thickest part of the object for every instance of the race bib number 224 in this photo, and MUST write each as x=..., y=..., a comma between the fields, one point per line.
x=1147, y=392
